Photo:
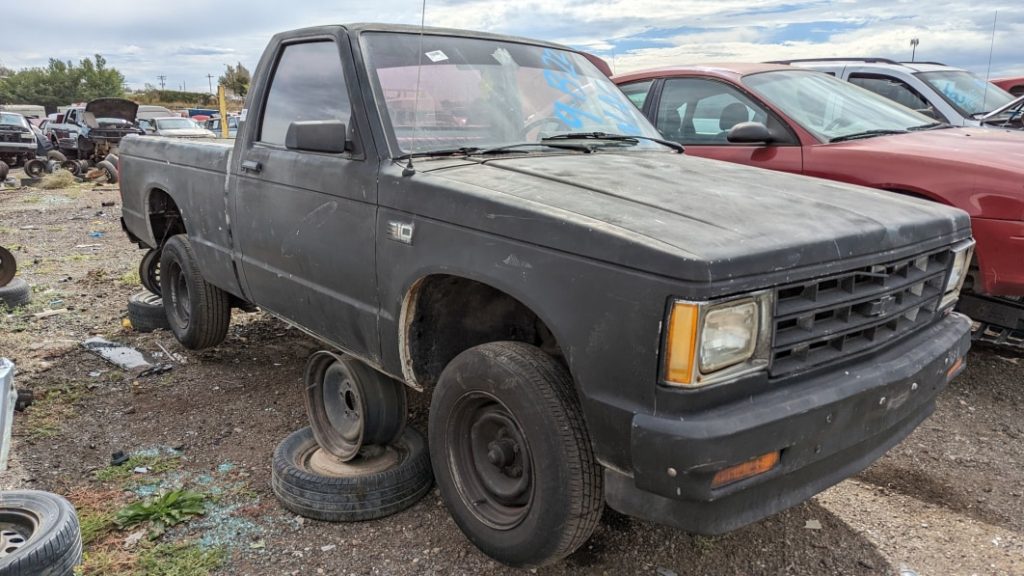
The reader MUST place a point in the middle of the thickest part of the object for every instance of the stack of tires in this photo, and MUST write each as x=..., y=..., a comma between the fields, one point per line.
x=356, y=460
x=14, y=292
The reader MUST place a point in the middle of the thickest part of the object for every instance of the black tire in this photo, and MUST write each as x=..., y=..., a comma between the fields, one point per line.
x=149, y=271
x=197, y=311
x=351, y=405
x=109, y=169
x=4, y=171
x=35, y=168
x=146, y=312
x=56, y=155
x=353, y=491
x=112, y=158
x=47, y=527
x=8, y=266
x=16, y=293
x=72, y=166
x=512, y=455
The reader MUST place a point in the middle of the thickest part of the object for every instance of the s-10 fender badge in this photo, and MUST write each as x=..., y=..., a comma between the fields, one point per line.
x=400, y=231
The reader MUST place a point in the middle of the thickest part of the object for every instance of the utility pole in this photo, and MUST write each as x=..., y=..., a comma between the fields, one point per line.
x=162, y=78
x=913, y=46
x=210, y=78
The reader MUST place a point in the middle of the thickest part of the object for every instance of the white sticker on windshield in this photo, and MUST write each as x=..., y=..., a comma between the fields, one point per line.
x=503, y=57
x=245, y=112
x=436, y=56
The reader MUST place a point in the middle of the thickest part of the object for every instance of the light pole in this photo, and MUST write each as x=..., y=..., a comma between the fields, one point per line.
x=913, y=48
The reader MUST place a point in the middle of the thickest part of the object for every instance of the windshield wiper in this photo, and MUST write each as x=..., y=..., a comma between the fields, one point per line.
x=867, y=134
x=510, y=148
x=463, y=151
x=930, y=126
x=615, y=138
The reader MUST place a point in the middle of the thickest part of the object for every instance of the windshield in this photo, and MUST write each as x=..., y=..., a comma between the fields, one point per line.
x=10, y=119
x=830, y=108
x=477, y=92
x=966, y=92
x=175, y=124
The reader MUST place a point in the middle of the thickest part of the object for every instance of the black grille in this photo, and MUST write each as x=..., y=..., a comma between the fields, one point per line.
x=827, y=319
x=10, y=136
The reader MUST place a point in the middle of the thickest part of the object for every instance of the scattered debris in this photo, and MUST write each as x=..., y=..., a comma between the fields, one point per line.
x=124, y=357
x=812, y=525
x=107, y=203
x=134, y=538
x=48, y=313
x=141, y=470
x=95, y=234
x=25, y=399
x=118, y=458
x=666, y=572
x=88, y=245
x=330, y=547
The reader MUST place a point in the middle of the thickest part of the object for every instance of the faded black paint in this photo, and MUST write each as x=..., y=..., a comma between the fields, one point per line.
x=594, y=246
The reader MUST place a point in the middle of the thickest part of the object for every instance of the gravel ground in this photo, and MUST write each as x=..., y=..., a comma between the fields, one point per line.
x=947, y=501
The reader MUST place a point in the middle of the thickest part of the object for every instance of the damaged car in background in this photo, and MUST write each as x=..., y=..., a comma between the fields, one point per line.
x=17, y=141
x=92, y=133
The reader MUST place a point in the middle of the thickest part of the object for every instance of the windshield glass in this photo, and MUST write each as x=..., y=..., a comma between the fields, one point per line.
x=830, y=108
x=477, y=92
x=13, y=119
x=966, y=92
x=175, y=124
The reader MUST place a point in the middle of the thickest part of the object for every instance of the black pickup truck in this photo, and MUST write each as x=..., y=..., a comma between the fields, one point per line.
x=596, y=316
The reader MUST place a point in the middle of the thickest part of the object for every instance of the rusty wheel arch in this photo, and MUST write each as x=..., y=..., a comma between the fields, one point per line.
x=165, y=217
x=443, y=315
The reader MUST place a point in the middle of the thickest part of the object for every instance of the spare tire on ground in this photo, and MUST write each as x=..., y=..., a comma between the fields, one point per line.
x=146, y=312
x=16, y=293
x=110, y=170
x=8, y=266
x=381, y=481
x=35, y=168
x=39, y=534
x=56, y=155
x=4, y=170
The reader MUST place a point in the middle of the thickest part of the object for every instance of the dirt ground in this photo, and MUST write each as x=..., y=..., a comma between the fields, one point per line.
x=947, y=501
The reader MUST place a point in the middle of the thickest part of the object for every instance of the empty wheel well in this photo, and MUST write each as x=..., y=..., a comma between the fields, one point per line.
x=445, y=315
x=164, y=216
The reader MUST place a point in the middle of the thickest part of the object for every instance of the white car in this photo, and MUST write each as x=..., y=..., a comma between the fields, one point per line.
x=175, y=127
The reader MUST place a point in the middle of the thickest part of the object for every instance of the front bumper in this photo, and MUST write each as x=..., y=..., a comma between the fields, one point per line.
x=828, y=427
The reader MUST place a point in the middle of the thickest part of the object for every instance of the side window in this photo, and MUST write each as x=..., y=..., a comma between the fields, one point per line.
x=891, y=88
x=72, y=117
x=308, y=84
x=701, y=112
x=637, y=92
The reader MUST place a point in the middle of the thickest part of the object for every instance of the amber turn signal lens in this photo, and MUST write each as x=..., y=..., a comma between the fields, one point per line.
x=759, y=465
x=955, y=367
x=682, y=340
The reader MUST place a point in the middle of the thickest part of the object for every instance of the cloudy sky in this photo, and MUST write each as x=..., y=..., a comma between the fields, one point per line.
x=185, y=40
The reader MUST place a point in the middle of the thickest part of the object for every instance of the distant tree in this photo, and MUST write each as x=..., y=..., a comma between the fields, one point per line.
x=62, y=83
x=236, y=79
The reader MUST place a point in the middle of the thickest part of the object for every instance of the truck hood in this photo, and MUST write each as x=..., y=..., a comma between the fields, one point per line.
x=698, y=219
x=186, y=133
x=991, y=147
x=113, y=108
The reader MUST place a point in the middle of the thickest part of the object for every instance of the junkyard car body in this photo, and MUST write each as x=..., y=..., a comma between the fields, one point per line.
x=945, y=93
x=595, y=240
x=17, y=140
x=178, y=127
x=95, y=130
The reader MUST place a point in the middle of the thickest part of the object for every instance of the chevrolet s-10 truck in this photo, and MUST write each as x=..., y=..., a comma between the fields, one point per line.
x=596, y=316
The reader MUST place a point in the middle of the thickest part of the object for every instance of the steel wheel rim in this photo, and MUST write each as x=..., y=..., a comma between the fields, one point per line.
x=8, y=266
x=490, y=459
x=16, y=529
x=343, y=402
x=179, y=296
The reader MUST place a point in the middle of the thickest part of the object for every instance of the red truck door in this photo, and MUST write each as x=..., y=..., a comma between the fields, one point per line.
x=698, y=113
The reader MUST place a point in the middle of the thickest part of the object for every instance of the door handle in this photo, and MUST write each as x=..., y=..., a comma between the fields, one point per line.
x=252, y=166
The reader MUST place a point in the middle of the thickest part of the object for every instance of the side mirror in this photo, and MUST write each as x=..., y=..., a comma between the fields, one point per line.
x=749, y=133
x=317, y=136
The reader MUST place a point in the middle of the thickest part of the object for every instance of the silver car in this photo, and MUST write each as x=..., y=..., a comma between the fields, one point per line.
x=177, y=127
x=947, y=94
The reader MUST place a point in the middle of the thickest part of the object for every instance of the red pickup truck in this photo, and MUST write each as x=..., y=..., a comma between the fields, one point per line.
x=794, y=120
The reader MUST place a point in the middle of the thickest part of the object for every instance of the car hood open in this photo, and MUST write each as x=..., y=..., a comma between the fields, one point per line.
x=113, y=108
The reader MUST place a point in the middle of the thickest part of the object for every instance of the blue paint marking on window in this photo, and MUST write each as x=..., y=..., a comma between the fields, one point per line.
x=563, y=77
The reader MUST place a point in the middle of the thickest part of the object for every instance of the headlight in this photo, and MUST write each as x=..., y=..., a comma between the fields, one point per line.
x=962, y=254
x=729, y=335
x=28, y=136
x=708, y=342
